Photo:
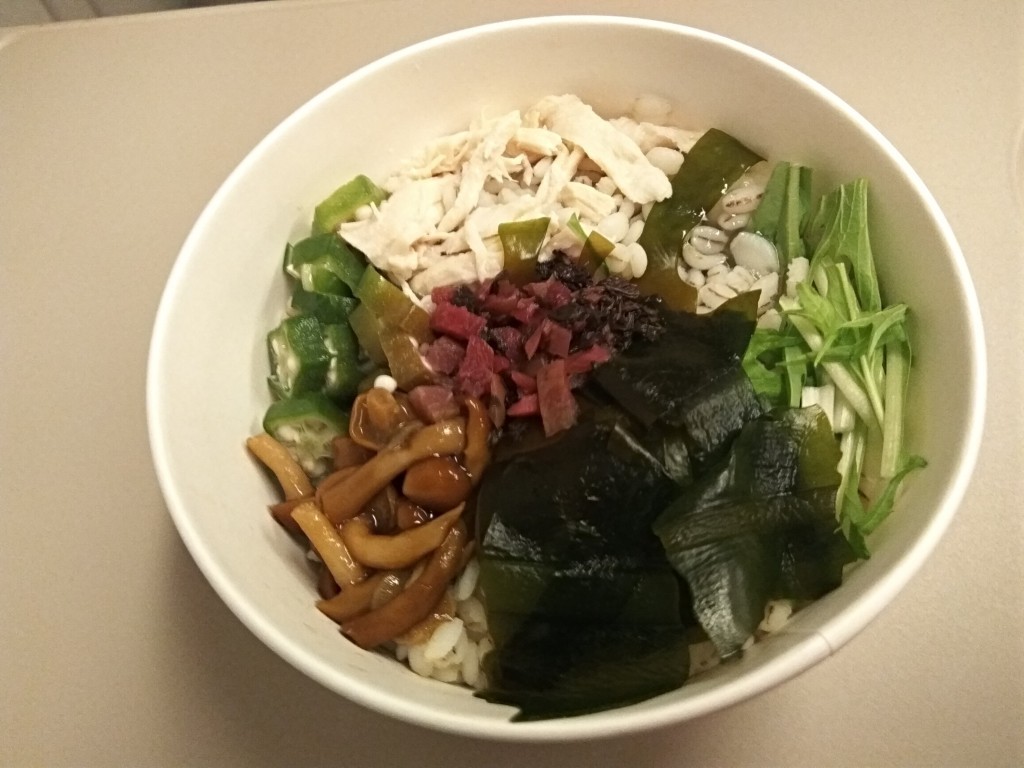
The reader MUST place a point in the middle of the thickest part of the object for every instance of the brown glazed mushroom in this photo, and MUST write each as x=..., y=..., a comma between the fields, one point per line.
x=401, y=549
x=478, y=434
x=436, y=483
x=415, y=602
x=347, y=498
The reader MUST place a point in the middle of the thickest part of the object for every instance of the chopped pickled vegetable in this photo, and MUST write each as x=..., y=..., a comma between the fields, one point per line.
x=405, y=362
x=392, y=308
x=521, y=242
x=596, y=249
x=367, y=331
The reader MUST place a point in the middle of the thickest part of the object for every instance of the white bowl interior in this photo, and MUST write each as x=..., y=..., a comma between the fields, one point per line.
x=226, y=291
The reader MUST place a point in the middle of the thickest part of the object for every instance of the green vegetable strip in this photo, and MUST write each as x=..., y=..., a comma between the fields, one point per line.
x=789, y=243
x=783, y=212
x=897, y=365
x=845, y=239
x=763, y=365
x=882, y=506
x=795, y=375
x=849, y=510
x=841, y=377
x=844, y=296
x=577, y=228
x=367, y=331
x=766, y=218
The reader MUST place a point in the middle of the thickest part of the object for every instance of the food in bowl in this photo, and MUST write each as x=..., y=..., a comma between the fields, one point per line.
x=568, y=401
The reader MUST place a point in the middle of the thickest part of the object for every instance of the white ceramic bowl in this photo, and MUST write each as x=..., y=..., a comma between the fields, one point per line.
x=208, y=355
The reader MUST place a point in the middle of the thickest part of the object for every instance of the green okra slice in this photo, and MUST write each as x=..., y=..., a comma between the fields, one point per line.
x=325, y=307
x=305, y=426
x=299, y=359
x=343, y=373
x=324, y=264
x=342, y=204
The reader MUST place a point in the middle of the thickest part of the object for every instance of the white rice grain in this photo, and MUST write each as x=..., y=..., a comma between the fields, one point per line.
x=472, y=612
x=702, y=261
x=666, y=160
x=636, y=227
x=470, y=667
x=614, y=226
x=442, y=640
x=739, y=279
x=458, y=653
x=385, y=382
x=606, y=185
x=708, y=240
x=418, y=661
x=703, y=656
x=484, y=647
x=637, y=259
x=776, y=614
x=466, y=583
x=446, y=674
x=651, y=109
x=695, y=278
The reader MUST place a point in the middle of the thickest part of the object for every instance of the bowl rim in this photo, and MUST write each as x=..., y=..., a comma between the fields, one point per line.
x=804, y=654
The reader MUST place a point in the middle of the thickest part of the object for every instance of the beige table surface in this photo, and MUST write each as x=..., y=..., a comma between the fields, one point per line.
x=113, y=649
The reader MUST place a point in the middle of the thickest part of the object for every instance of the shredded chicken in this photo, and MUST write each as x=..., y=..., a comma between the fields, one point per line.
x=615, y=153
x=440, y=223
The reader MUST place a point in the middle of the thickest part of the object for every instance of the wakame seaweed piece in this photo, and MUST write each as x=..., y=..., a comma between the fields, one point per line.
x=741, y=528
x=813, y=558
x=572, y=575
x=646, y=594
x=731, y=581
x=690, y=376
x=563, y=669
x=714, y=162
x=595, y=251
x=668, y=445
x=527, y=510
x=781, y=472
